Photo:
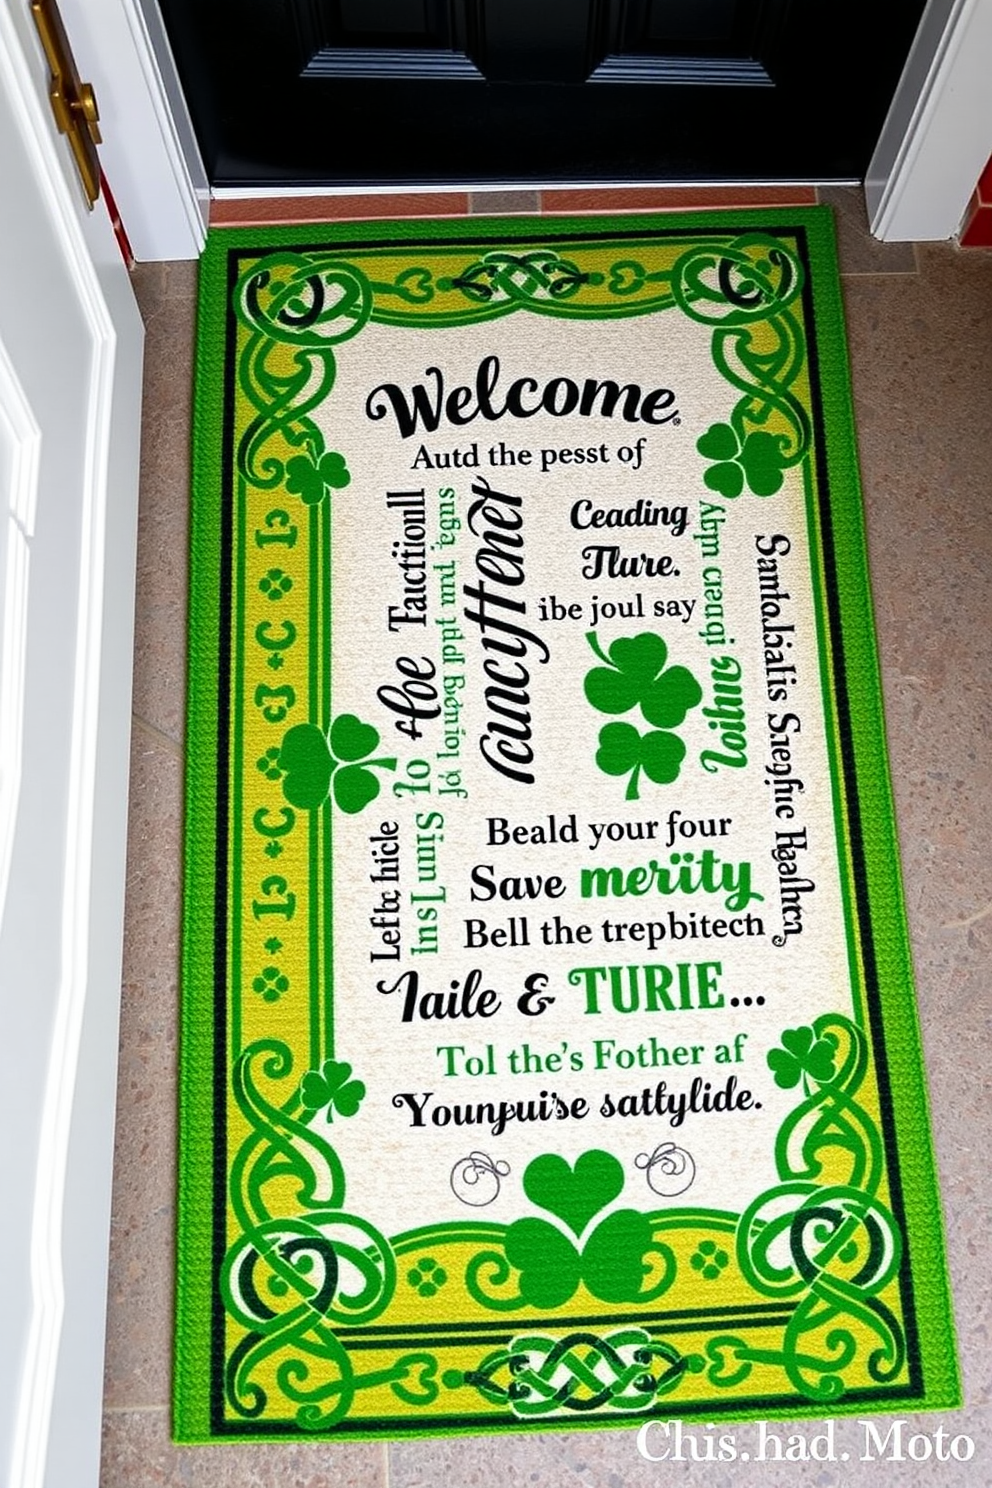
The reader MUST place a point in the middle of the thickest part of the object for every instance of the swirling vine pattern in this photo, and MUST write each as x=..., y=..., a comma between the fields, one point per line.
x=291, y=1280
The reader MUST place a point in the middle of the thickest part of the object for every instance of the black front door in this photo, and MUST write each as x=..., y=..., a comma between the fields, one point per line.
x=300, y=93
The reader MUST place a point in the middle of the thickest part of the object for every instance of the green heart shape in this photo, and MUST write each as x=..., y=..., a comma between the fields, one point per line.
x=546, y=1259
x=354, y=788
x=718, y=443
x=669, y=700
x=619, y=748
x=610, y=691
x=641, y=656
x=351, y=739
x=761, y=458
x=613, y=1259
x=726, y=479
x=574, y=1194
x=333, y=471
x=798, y=1041
x=307, y=761
x=661, y=756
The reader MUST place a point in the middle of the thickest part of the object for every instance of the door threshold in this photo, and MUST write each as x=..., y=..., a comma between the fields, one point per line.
x=297, y=191
x=233, y=208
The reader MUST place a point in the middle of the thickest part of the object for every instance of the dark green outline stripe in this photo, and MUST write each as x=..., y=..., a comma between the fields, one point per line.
x=908, y=1128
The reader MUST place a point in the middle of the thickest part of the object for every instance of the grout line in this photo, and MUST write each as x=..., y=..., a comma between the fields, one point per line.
x=386, y=1473
x=134, y=1410
x=879, y=273
x=143, y=726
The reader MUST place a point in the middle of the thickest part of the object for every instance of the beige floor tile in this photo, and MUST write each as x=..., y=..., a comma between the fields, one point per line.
x=137, y=1453
x=612, y=1459
x=139, y=1315
x=168, y=300
x=860, y=253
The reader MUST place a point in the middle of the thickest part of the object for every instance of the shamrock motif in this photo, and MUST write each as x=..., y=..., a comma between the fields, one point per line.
x=309, y=478
x=275, y=584
x=269, y=765
x=709, y=1260
x=758, y=460
x=802, y=1053
x=634, y=674
x=270, y=984
x=622, y=749
x=427, y=1277
x=333, y=1087
x=313, y=763
x=611, y=1263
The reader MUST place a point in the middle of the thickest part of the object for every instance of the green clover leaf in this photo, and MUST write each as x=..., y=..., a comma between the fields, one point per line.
x=759, y=460
x=802, y=1053
x=719, y=443
x=316, y=765
x=354, y=786
x=726, y=479
x=310, y=478
x=634, y=675
x=351, y=739
x=613, y=1257
x=611, y=1264
x=574, y=1194
x=622, y=749
x=547, y=1260
x=333, y=1087
x=307, y=763
x=761, y=457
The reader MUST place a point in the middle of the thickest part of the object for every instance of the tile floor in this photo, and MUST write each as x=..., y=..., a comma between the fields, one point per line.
x=920, y=328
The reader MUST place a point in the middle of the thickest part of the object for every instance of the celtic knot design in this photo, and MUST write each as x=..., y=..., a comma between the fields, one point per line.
x=745, y=290
x=822, y=1237
x=288, y=1280
x=624, y=1371
x=297, y=308
x=516, y=279
x=740, y=283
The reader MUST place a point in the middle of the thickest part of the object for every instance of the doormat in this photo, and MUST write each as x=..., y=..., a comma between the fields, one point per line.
x=549, y=1048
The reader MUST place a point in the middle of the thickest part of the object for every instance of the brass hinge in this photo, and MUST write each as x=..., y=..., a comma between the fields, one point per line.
x=73, y=102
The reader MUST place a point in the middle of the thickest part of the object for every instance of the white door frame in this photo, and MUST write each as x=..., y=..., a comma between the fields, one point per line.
x=938, y=134
x=70, y=404
x=933, y=147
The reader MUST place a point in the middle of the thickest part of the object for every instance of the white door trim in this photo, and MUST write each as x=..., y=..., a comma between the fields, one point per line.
x=149, y=152
x=61, y=954
x=938, y=134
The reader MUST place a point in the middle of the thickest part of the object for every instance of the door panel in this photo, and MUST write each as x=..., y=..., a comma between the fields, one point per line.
x=300, y=93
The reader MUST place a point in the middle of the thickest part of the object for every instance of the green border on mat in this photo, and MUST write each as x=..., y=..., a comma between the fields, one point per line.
x=900, y=1057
